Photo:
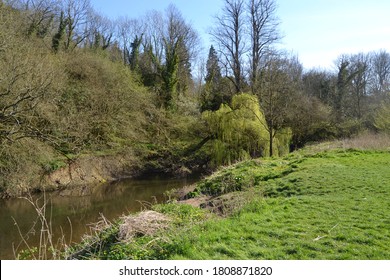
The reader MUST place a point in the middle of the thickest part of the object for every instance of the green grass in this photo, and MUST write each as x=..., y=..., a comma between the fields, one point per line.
x=295, y=228
x=330, y=205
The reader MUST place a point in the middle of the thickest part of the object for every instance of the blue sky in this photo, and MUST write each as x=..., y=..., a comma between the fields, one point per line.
x=318, y=31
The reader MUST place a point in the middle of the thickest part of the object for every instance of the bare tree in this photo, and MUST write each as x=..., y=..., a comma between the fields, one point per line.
x=381, y=72
x=263, y=32
x=181, y=38
x=360, y=66
x=100, y=31
x=76, y=17
x=228, y=34
x=351, y=86
x=320, y=84
x=279, y=80
x=25, y=78
x=154, y=29
x=40, y=15
x=128, y=31
x=169, y=45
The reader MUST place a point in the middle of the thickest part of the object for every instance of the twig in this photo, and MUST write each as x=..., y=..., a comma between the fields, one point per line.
x=320, y=237
x=23, y=240
x=46, y=244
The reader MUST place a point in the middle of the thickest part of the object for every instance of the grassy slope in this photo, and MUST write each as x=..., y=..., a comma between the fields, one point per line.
x=342, y=212
x=331, y=205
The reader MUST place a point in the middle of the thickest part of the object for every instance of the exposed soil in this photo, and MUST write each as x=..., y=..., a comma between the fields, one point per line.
x=89, y=170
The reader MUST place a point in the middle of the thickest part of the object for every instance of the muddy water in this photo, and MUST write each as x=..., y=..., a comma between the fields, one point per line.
x=73, y=211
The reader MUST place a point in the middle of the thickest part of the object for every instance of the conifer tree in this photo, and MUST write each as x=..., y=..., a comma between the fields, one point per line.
x=213, y=95
x=213, y=70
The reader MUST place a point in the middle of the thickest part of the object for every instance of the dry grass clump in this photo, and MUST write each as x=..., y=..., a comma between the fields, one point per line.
x=143, y=223
x=102, y=224
x=363, y=141
x=367, y=141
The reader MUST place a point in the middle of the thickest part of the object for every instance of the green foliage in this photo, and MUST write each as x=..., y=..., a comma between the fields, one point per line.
x=382, y=118
x=243, y=176
x=170, y=74
x=134, y=56
x=349, y=128
x=97, y=245
x=27, y=84
x=145, y=248
x=53, y=165
x=239, y=130
x=213, y=70
x=27, y=254
x=182, y=214
x=213, y=94
x=218, y=186
x=59, y=36
x=23, y=162
x=282, y=142
x=106, y=93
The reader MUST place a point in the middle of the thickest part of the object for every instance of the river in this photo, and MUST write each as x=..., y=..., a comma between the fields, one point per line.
x=73, y=211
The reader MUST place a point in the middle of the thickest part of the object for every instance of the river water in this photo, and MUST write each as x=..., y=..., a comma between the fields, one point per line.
x=73, y=211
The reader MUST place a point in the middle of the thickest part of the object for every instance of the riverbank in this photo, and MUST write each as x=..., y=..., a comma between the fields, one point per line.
x=83, y=170
x=88, y=169
x=313, y=204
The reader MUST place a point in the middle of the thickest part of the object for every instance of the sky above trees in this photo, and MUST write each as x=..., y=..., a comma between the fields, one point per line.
x=317, y=31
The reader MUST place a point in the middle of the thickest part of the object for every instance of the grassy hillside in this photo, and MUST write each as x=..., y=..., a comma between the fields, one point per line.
x=60, y=104
x=309, y=205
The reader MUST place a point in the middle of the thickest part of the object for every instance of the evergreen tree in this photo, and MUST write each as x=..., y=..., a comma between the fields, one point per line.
x=212, y=67
x=213, y=95
x=134, y=56
x=184, y=69
x=169, y=75
x=57, y=38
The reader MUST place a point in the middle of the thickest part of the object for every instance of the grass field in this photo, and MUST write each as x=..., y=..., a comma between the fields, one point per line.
x=327, y=205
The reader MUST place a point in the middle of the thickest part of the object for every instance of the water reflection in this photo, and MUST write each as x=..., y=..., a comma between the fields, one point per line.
x=81, y=206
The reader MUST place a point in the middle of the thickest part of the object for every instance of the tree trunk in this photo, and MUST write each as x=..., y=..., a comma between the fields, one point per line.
x=271, y=141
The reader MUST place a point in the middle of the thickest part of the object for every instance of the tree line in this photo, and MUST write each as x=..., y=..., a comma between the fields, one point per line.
x=312, y=104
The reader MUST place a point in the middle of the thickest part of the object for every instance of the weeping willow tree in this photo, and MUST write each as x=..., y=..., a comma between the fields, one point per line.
x=382, y=118
x=282, y=141
x=240, y=130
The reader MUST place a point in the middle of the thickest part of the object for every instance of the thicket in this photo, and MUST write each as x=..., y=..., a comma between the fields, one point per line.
x=62, y=99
